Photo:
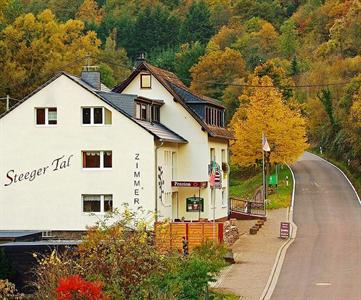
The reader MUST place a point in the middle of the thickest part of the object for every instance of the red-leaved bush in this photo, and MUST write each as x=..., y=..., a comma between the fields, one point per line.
x=76, y=288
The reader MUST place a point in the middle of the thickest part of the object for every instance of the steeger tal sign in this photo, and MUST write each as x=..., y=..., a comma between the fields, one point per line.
x=57, y=164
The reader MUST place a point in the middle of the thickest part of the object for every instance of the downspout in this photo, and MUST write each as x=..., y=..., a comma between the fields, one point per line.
x=156, y=177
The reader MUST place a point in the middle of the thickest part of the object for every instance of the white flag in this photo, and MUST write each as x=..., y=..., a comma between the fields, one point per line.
x=265, y=145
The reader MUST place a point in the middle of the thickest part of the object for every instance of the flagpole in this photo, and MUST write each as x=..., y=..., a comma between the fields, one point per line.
x=263, y=173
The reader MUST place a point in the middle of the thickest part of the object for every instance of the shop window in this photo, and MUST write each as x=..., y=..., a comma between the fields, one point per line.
x=97, y=159
x=145, y=81
x=97, y=203
x=46, y=116
x=96, y=116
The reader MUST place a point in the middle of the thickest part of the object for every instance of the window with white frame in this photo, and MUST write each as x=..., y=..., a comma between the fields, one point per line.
x=97, y=159
x=174, y=165
x=96, y=116
x=224, y=197
x=46, y=116
x=97, y=203
x=213, y=154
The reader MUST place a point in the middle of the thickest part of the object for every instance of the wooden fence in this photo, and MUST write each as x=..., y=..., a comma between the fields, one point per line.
x=170, y=235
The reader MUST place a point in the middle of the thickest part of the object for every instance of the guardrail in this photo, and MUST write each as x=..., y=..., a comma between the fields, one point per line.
x=248, y=207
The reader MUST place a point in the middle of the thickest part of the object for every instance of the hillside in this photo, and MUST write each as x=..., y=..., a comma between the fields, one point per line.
x=310, y=49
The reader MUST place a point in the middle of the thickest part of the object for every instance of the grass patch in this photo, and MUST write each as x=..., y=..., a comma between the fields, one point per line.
x=245, y=188
x=281, y=197
x=220, y=295
x=278, y=198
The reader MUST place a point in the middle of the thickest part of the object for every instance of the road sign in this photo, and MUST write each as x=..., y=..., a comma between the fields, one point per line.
x=285, y=230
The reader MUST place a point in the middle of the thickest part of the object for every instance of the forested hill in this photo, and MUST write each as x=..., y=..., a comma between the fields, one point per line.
x=310, y=49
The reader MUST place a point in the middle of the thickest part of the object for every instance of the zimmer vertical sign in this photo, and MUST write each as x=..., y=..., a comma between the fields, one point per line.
x=137, y=182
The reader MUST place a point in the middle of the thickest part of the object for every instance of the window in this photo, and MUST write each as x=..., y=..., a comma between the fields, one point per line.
x=46, y=116
x=174, y=165
x=224, y=197
x=96, y=116
x=224, y=158
x=97, y=203
x=213, y=154
x=97, y=159
x=214, y=116
x=143, y=112
x=145, y=81
x=155, y=113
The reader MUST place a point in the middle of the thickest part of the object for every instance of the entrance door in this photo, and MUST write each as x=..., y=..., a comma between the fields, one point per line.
x=175, y=206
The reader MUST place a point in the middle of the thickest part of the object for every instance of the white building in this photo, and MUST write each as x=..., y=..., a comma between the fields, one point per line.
x=73, y=150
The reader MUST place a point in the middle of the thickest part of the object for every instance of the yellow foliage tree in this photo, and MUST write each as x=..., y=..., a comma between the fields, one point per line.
x=34, y=48
x=266, y=113
x=89, y=12
x=222, y=66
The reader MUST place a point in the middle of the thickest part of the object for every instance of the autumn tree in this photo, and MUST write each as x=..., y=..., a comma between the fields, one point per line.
x=33, y=48
x=258, y=42
x=89, y=12
x=266, y=113
x=215, y=71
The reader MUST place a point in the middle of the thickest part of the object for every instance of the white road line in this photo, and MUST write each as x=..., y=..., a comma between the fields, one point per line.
x=357, y=196
x=323, y=283
x=281, y=254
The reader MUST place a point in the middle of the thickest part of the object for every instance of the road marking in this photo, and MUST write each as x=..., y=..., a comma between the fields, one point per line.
x=323, y=283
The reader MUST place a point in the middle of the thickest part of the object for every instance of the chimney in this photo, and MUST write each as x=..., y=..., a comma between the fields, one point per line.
x=139, y=60
x=91, y=76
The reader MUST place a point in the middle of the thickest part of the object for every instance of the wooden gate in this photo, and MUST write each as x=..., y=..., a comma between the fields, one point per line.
x=170, y=235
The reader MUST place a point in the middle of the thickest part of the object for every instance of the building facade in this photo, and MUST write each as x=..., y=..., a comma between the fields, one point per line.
x=73, y=150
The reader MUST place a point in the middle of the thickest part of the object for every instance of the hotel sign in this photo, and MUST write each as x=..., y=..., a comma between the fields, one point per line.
x=198, y=184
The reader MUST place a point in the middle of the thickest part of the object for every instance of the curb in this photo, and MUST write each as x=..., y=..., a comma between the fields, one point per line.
x=281, y=254
x=349, y=181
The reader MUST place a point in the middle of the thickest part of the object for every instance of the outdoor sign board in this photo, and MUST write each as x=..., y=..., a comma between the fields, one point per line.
x=193, y=204
x=273, y=180
x=285, y=230
x=199, y=184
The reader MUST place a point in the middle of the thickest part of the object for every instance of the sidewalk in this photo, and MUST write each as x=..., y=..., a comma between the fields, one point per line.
x=255, y=256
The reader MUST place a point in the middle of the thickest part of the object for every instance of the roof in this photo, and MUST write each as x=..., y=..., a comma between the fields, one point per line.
x=181, y=94
x=164, y=133
x=17, y=233
x=43, y=243
x=120, y=102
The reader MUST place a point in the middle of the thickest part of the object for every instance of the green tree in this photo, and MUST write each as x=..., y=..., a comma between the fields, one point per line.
x=325, y=96
x=155, y=27
x=197, y=25
x=288, y=39
x=185, y=58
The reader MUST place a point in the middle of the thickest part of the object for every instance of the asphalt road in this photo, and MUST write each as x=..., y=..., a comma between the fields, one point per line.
x=324, y=261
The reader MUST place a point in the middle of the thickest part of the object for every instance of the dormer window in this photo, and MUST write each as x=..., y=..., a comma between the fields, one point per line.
x=145, y=81
x=147, y=111
x=214, y=116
